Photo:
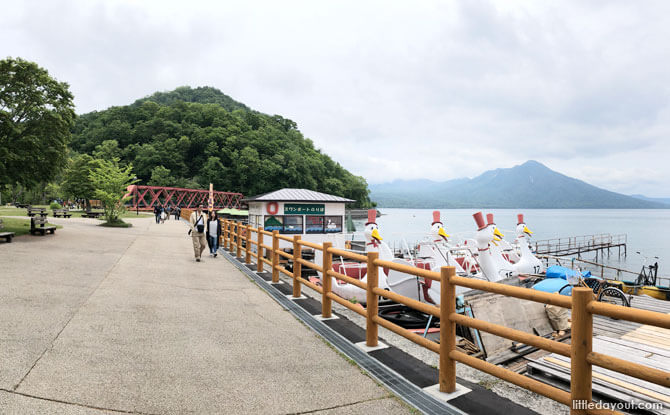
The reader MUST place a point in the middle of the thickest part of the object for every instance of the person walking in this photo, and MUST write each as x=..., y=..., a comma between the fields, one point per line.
x=168, y=209
x=157, y=213
x=177, y=212
x=198, y=221
x=213, y=233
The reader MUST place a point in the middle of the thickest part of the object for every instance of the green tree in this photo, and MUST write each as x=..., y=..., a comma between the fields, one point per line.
x=108, y=150
x=77, y=181
x=160, y=176
x=36, y=114
x=111, y=183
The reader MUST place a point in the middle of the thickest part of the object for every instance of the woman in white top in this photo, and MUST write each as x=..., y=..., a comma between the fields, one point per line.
x=213, y=233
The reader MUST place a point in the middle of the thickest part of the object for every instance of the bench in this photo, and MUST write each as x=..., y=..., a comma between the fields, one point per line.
x=21, y=205
x=62, y=213
x=91, y=214
x=32, y=211
x=7, y=235
x=39, y=224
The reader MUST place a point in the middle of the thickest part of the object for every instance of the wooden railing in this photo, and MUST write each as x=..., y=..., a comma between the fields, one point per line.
x=237, y=239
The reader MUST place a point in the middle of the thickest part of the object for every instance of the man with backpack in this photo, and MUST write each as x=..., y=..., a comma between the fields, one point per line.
x=198, y=221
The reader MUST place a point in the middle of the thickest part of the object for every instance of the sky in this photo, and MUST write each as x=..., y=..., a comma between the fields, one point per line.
x=390, y=89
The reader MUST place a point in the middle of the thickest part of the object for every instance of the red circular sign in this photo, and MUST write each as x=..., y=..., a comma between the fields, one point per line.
x=272, y=208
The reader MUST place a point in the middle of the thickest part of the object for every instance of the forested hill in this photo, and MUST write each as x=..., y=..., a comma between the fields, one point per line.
x=191, y=137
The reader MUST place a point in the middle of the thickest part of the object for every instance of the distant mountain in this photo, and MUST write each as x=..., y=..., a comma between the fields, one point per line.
x=529, y=185
x=665, y=200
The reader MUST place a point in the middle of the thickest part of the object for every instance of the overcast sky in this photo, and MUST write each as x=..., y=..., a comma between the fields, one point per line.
x=414, y=89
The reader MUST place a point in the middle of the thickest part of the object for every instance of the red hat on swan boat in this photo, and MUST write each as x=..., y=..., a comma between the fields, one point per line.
x=372, y=216
x=519, y=219
x=436, y=217
x=489, y=218
x=479, y=220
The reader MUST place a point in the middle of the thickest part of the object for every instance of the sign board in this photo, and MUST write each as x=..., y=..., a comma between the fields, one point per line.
x=210, y=200
x=304, y=209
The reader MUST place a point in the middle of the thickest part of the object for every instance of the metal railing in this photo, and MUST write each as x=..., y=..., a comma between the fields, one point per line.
x=575, y=243
x=237, y=238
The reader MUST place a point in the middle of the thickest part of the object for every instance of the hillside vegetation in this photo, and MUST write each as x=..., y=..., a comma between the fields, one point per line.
x=193, y=137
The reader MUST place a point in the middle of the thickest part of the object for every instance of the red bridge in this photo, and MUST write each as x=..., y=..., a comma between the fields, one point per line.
x=147, y=197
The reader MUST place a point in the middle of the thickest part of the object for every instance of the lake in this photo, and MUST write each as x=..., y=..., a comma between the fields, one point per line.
x=648, y=230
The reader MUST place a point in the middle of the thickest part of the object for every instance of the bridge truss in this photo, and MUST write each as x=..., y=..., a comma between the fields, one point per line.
x=147, y=197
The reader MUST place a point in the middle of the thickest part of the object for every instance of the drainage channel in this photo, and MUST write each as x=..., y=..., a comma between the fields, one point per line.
x=403, y=388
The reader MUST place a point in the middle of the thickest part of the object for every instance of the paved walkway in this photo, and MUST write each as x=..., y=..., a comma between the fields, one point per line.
x=96, y=320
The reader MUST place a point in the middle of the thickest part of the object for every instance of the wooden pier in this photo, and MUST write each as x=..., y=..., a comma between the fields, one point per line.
x=577, y=245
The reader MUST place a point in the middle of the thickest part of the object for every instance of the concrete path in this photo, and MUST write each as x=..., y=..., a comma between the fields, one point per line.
x=96, y=320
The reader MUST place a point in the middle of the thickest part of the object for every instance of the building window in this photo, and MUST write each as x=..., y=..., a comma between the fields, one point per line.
x=274, y=223
x=314, y=224
x=333, y=224
x=293, y=224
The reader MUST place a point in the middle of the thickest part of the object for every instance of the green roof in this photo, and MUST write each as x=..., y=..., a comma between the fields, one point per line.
x=233, y=212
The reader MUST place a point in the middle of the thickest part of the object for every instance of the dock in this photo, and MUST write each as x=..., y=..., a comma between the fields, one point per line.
x=577, y=245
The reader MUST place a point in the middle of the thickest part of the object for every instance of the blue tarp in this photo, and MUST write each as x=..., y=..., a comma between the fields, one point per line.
x=557, y=271
x=552, y=285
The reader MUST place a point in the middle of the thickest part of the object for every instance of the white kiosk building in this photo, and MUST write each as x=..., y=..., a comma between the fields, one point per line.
x=317, y=216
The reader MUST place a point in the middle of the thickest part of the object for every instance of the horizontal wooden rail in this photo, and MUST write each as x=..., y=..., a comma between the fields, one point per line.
x=651, y=318
x=253, y=254
x=285, y=238
x=409, y=302
x=311, y=285
x=431, y=275
x=420, y=340
x=283, y=270
x=266, y=247
x=517, y=292
x=284, y=254
x=309, y=264
x=513, y=377
x=252, y=242
x=659, y=377
x=353, y=281
x=266, y=261
x=353, y=307
x=266, y=233
x=348, y=255
x=311, y=245
x=511, y=334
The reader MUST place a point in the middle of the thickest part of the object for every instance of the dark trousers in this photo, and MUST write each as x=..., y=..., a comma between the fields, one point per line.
x=158, y=218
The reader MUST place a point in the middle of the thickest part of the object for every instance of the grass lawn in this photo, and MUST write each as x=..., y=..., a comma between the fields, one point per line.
x=18, y=226
x=13, y=211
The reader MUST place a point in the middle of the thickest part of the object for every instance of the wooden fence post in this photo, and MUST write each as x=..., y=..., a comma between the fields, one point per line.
x=223, y=233
x=372, y=308
x=259, y=251
x=226, y=233
x=326, y=281
x=239, y=240
x=580, y=347
x=297, y=267
x=230, y=236
x=247, y=248
x=220, y=241
x=447, y=375
x=275, y=257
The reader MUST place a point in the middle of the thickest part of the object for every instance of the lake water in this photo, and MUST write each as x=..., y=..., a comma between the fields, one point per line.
x=648, y=230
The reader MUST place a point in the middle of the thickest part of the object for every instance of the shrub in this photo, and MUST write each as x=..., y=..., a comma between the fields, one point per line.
x=55, y=205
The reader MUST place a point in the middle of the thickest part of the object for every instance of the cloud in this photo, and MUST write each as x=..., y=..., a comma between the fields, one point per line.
x=392, y=90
